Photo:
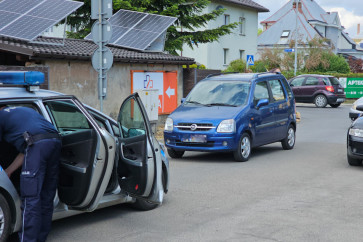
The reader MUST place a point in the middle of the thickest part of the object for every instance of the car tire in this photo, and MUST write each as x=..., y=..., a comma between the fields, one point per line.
x=175, y=153
x=320, y=101
x=334, y=105
x=354, y=162
x=5, y=219
x=243, y=151
x=143, y=205
x=289, y=142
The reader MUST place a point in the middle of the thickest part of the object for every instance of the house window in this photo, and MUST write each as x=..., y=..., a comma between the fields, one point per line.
x=225, y=56
x=226, y=19
x=242, y=26
x=285, y=34
x=241, y=53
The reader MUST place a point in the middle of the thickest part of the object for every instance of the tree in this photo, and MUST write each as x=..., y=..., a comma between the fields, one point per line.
x=322, y=59
x=186, y=30
x=356, y=65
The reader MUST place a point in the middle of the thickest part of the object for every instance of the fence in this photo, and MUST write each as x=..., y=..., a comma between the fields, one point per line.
x=193, y=76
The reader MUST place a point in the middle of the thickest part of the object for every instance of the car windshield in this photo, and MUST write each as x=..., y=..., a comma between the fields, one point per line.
x=219, y=93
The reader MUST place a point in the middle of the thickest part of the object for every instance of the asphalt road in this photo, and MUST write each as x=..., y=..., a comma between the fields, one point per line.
x=307, y=194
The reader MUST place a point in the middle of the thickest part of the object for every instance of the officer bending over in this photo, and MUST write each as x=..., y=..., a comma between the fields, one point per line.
x=39, y=147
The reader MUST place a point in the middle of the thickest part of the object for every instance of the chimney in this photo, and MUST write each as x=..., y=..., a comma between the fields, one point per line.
x=299, y=7
x=358, y=29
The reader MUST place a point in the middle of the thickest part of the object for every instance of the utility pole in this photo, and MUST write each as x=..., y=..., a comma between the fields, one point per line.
x=296, y=10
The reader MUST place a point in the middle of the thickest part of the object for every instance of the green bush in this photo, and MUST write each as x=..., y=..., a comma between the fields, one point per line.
x=195, y=66
x=259, y=66
x=236, y=66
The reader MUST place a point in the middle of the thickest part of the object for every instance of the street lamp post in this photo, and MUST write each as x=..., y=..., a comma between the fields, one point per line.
x=296, y=10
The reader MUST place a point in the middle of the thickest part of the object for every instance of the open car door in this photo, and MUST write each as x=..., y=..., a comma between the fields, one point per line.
x=87, y=154
x=139, y=170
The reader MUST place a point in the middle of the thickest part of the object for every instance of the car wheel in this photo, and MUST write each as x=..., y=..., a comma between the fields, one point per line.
x=320, y=101
x=143, y=205
x=175, y=153
x=289, y=142
x=243, y=151
x=335, y=105
x=4, y=219
x=354, y=162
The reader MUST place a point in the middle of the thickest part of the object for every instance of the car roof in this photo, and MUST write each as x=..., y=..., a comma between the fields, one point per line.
x=240, y=76
x=21, y=92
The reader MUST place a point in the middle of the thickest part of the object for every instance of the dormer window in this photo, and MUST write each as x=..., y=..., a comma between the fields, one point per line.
x=285, y=34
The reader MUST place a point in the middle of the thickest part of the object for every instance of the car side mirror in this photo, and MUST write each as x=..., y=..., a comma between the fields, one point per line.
x=291, y=85
x=261, y=103
x=182, y=100
x=359, y=108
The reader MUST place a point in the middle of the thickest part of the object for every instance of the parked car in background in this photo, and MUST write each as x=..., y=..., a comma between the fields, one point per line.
x=103, y=161
x=355, y=111
x=355, y=140
x=233, y=112
x=318, y=89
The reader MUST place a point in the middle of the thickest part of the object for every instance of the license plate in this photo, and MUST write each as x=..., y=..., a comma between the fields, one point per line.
x=340, y=100
x=340, y=90
x=195, y=138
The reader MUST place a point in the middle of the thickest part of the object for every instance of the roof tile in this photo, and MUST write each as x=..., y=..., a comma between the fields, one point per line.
x=83, y=49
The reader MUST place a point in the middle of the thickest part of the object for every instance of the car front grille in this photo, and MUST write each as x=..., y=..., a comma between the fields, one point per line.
x=357, y=147
x=198, y=126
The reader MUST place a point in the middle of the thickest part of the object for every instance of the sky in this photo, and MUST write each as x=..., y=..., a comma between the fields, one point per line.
x=350, y=12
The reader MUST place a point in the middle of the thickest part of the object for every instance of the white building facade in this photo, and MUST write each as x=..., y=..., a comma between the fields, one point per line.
x=237, y=45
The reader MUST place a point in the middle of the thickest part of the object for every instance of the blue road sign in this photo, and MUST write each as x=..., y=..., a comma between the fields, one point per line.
x=250, y=60
x=289, y=50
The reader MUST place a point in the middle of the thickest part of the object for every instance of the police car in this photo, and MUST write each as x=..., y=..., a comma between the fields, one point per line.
x=103, y=162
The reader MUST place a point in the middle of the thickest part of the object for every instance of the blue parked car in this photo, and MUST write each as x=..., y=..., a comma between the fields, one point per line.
x=233, y=112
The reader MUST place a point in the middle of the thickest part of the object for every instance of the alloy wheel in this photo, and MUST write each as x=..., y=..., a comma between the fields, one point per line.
x=291, y=137
x=245, y=147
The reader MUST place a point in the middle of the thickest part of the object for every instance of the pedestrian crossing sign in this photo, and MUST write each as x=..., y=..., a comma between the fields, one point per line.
x=250, y=60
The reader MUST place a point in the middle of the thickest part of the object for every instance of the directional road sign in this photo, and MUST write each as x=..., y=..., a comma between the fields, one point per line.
x=289, y=50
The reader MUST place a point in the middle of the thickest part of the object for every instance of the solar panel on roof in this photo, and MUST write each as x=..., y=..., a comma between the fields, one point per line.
x=27, y=19
x=137, y=30
x=6, y=17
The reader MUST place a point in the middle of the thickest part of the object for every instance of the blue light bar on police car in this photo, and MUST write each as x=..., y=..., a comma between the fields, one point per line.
x=27, y=78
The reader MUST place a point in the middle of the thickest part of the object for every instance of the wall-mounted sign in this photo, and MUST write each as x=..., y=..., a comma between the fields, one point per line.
x=353, y=86
x=165, y=82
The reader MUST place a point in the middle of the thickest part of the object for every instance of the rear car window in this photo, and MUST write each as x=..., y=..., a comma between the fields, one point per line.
x=312, y=81
x=287, y=88
x=334, y=81
x=277, y=90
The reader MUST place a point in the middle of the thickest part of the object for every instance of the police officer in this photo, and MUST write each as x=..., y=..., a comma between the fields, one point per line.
x=39, y=147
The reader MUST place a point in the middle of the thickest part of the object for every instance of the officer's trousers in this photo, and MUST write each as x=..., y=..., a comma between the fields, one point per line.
x=38, y=184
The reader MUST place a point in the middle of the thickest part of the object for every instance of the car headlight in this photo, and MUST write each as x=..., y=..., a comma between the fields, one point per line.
x=355, y=106
x=356, y=132
x=227, y=126
x=169, y=124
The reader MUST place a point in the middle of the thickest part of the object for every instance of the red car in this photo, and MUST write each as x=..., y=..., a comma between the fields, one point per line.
x=318, y=89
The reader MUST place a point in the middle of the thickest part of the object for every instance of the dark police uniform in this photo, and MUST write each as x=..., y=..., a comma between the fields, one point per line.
x=39, y=176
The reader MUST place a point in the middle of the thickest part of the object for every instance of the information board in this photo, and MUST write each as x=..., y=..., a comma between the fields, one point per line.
x=353, y=86
x=165, y=82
